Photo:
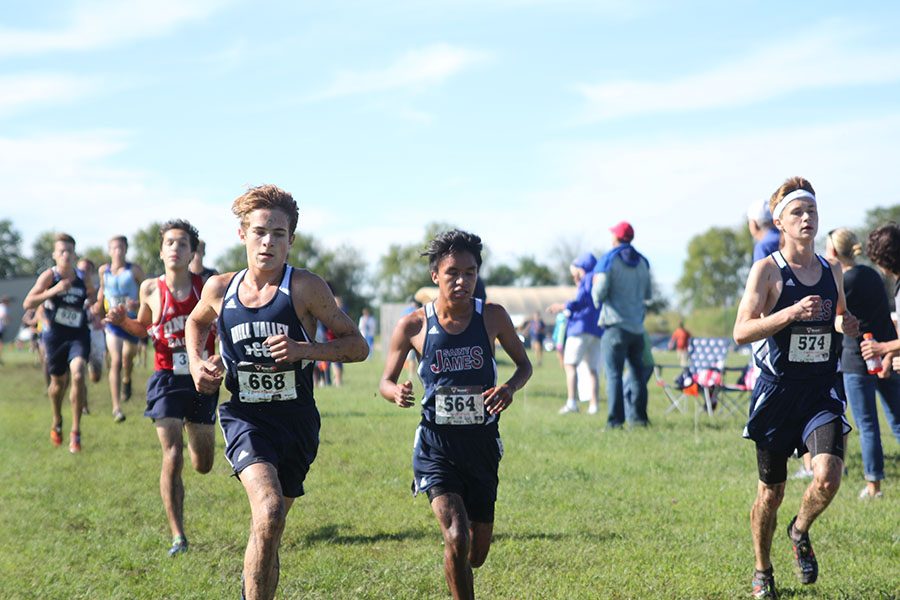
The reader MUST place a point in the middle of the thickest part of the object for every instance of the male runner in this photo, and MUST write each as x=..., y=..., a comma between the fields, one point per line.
x=792, y=308
x=64, y=292
x=457, y=447
x=172, y=401
x=119, y=282
x=197, y=266
x=98, y=338
x=266, y=314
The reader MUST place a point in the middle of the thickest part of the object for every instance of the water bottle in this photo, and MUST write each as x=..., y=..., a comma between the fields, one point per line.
x=872, y=364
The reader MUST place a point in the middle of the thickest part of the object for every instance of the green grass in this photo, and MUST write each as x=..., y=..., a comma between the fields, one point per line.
x=581, y=513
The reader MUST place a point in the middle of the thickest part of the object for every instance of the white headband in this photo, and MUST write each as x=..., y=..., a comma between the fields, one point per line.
x=788, y=199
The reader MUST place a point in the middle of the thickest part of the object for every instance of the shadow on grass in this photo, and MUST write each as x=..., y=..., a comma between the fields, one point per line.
x=605, y=536
x=331, y=534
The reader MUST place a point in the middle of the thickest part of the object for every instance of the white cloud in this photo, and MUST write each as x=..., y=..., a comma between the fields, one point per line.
x=102, y=23
x=428, y=66
x=671, y=189
x=20, y=92
x=65, y=183
x=826, y=57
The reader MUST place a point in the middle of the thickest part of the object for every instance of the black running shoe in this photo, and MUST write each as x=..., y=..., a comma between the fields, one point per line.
x=805, y=564
x=126, y=391
x=179, y=546
x=764, y=585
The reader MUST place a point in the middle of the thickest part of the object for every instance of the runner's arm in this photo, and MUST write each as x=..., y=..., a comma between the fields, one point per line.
x=207, y=374
x=311, y=294
x=42, y=290
x=499, y=398
x=118, y=315
x=400, y=345
x=99, y=307
x=844, y=322
x=752, y=324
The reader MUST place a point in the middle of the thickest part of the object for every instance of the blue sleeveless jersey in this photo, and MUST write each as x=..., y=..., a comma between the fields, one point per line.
x=252, y=375
x=803, y=349
x=455, y=370
x=66, y=313
x=119, y=288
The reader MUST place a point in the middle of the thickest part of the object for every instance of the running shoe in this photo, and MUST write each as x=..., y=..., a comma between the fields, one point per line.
x=75, y=442
x=126, y=391
x=571, y=406
x=118, y=416
x=865, y=495
x=179, y=546
x=803, y=473
x=805, y=564
x=764, y=585
x=56, y=436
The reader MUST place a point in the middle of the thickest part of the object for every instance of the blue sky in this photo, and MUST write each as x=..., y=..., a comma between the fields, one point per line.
x=526, y=121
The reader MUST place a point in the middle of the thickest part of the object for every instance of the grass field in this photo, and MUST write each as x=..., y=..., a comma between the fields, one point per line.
x=582, y=513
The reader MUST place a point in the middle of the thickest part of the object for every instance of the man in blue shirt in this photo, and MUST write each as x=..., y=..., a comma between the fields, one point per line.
x=621, y=288
x=766, y=238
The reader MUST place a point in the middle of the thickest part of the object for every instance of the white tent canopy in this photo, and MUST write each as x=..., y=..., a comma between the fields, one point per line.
x=519, y=302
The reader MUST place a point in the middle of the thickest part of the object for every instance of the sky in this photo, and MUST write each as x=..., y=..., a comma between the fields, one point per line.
x=530, y=122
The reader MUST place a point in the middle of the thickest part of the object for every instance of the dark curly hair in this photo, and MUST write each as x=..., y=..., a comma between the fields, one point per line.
x=883, y=247
x=451, y=242
x=183, y=226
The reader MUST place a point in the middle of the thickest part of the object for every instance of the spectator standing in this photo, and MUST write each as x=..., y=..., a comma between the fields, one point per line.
x=766, y=239
x=867, y=300
x=537, y=331
x=367, y=327
x=679, y=342
x=582, y=334
x=620, y=291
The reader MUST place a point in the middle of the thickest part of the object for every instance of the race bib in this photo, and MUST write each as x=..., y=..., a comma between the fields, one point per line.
x=266, y=382
x=459, y=406
x=810, y=344
x=70, y=317
x=180, y=364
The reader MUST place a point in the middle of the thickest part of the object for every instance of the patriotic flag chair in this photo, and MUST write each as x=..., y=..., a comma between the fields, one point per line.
x=703, y=380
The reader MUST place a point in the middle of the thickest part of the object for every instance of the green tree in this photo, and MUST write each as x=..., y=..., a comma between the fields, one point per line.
x=500, y=275
x=42, y=253
x=716, y=267
x=11, y=263
x=343, y=268
x=403, y=270
x=143, y=246
x=529, y=273
x=879, y=216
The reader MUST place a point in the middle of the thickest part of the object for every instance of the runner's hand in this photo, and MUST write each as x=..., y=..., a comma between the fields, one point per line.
x=62, y=286
x=284, y=349
x=208, y=374
x=497, y=399
x=808, y=309
x=403, y=394
x=115, y=316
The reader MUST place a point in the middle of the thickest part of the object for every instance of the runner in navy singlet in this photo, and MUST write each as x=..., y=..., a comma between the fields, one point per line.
x=457, y=447
x=64, y=292
x=792, y=311
x=172, y=401
x=266, y=316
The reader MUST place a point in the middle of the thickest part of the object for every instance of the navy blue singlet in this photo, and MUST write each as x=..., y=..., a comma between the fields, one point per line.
x=66, y=312
x=455, y=370
x=803, y=349
x=252, y=374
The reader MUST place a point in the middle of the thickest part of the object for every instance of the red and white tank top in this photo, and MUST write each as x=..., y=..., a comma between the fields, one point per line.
x=168, y=331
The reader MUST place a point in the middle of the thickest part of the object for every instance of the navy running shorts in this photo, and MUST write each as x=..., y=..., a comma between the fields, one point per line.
x=61, y=350
x=174, y=396
x=784, y=413
x=463, y=462
x=283, y=434
x=121, y=333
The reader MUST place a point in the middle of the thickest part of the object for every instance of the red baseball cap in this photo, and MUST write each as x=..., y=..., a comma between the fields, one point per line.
x=623, y=231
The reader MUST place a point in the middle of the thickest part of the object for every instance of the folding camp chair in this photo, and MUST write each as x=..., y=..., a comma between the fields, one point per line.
x=702, y=381
x=735, y=396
